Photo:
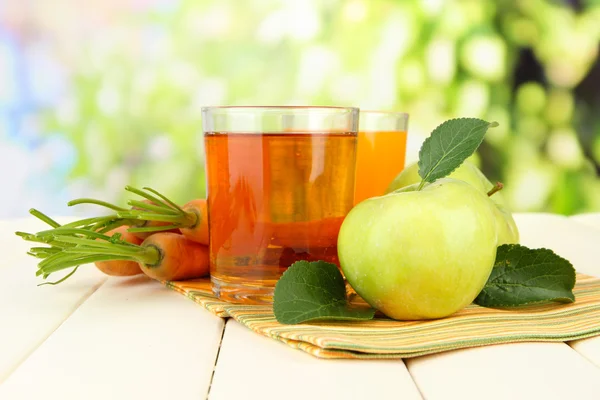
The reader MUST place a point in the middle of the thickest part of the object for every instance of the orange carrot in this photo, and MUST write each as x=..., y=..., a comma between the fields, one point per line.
x=198, y=232
x=121, y=267
x=164, y=256
x=178, y=258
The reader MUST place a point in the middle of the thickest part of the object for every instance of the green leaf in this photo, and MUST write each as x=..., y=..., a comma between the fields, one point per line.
x=310, y=291
x=449, y=145
x=523, y=276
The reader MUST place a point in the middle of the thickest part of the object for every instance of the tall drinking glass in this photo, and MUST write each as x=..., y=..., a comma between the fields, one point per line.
x=280, y=181
x=381, y=151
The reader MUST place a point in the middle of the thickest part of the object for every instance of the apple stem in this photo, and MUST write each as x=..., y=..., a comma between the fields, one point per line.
x=421, y=185
x=498, y=187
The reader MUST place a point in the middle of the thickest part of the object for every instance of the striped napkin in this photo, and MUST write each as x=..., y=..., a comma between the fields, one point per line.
x=386, y=338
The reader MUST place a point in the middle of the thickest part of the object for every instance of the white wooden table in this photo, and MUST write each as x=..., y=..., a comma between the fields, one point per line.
x=94, y=337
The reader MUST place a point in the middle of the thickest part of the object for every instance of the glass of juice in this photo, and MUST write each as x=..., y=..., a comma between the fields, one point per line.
x=280, y=181
x=381, y=151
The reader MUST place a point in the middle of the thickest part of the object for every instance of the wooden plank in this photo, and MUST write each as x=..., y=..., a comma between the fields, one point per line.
x=576, y=242
x=251, y=366
x=514, y=371
x=589, y=348
x=591, y=219
x=29, y=313
x=132, y=339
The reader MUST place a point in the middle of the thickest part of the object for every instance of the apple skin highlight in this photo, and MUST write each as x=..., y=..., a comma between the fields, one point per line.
x=508, y=233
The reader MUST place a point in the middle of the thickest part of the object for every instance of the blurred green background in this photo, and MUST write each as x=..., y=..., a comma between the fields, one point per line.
x=117, y=86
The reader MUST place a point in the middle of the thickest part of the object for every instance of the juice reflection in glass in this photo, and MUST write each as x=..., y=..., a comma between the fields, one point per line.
x=280, y=181
x=381, y=152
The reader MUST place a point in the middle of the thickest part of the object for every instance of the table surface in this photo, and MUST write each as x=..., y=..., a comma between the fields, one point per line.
x=94, y=337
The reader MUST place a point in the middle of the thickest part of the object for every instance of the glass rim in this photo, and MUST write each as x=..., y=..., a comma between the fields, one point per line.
x=381, y=112
x=280, y=108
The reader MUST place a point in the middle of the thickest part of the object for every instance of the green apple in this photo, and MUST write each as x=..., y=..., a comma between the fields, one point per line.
x=420, y=254
x=508, y=232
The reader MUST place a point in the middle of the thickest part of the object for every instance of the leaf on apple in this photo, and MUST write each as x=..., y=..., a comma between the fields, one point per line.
x=449, y=145
x=310, y=291
x=523, y=276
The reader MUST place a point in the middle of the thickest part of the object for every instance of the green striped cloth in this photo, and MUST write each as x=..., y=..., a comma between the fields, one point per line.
x=386, y=338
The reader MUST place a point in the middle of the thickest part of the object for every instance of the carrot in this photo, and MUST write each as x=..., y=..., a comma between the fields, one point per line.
x=121, y=267
x=164, y=256
x=197, y=232
x=177, y=258
x=154, y=213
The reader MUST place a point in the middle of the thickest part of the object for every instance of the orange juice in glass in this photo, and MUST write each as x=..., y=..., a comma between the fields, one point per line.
x=381, y=152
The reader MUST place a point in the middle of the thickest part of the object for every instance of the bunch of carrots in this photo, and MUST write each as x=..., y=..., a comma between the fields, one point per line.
x=154, y=236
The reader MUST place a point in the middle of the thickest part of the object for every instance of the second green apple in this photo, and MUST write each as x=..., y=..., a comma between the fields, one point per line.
x=508, y=232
